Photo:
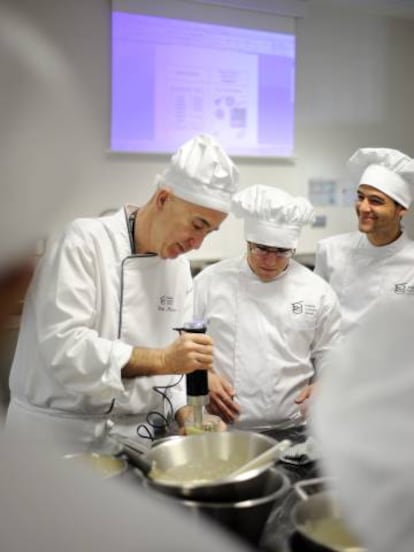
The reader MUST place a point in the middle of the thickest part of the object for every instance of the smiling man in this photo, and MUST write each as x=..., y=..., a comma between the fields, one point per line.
x=272, y=320
x=97, y=347
x=377, y=261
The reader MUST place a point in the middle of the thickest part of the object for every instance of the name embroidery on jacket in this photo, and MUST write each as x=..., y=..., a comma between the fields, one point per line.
x=404, y=288
x=300, y=307
x=166, y=304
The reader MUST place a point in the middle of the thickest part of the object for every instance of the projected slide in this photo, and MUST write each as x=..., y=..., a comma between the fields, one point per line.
x=172, y=79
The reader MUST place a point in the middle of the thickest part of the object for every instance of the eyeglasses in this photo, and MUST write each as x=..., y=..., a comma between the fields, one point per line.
x=263, y=250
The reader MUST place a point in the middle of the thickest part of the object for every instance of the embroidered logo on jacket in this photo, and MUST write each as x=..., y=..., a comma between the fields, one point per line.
x=404, y=288
x=166, y=304
x=300, y=307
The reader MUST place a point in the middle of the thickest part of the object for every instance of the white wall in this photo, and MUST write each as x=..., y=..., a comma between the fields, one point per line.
x=355, y=87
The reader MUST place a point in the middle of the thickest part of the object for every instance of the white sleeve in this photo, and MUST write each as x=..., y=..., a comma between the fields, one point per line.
x=66, y=321
x=328, y=330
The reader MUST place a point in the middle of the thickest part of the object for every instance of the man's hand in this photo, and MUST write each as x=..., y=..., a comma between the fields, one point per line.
x=181, y=416
x=185, y=414
x=221, y=396
x=303, y=399
x=189, y=352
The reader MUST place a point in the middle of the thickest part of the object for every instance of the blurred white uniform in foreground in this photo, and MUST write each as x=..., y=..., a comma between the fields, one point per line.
x=363, y=416
x=54, y=506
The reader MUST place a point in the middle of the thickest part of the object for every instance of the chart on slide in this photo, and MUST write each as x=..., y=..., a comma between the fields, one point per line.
x=200, y=95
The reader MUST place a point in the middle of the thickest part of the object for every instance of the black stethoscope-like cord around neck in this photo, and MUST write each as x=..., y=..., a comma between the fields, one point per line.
x=131, y=230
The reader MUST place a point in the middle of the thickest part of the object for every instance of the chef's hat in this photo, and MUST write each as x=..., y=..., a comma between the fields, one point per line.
x=271, y=216
x=366, y=440
x=202, y=173
x=388, y=170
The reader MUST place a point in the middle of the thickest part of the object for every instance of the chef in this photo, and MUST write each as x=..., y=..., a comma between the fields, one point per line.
x=377, y=261
x=272, y=320
x=97, y=350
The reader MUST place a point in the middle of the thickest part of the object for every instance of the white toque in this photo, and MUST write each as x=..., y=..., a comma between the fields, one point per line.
x=272, y=216
x=388, y=170
x=202, y=173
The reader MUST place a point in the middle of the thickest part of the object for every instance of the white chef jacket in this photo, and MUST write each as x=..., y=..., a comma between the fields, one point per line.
x=362, y=417
x=362, y=274
x=91, y=301
x=270, y=338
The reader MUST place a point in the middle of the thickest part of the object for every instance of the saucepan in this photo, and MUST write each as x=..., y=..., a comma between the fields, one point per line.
x=318, y=519
x=247, y=517
x=197, y=467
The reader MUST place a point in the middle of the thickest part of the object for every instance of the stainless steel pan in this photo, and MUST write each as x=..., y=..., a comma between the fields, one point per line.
x=246, y=518
x=318, y=519
x=207, y=457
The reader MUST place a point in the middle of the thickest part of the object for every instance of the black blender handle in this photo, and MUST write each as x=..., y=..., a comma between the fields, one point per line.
x=192, y=327
x=197, y=381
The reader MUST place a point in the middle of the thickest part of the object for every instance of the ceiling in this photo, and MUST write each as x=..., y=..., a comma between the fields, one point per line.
x=398, y=8
x=299, y=8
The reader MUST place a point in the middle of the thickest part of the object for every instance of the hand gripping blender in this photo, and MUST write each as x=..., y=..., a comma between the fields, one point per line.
x=197, y=381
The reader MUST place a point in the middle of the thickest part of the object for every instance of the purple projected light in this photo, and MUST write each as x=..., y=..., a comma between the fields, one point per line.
x=172, y=79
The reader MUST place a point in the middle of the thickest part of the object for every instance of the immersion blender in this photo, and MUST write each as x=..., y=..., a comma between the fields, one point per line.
x=197, y=381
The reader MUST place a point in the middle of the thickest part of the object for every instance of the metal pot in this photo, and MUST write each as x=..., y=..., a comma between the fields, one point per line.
x=203, y=454
x=318, y=520
x=246, y=518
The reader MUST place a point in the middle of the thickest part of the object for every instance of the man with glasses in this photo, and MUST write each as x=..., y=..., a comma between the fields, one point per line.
x=271, y=319
x=377, y=261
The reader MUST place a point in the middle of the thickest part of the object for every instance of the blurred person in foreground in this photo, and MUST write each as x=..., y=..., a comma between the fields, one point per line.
x=47, y=504
x=97, y=349
x=362, y=417
x=377, y=261
x=272, y=320
x=40, y=95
